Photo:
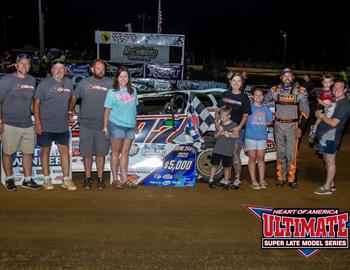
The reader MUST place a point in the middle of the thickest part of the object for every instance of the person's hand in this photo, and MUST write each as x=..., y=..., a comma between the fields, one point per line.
x=38, y=128
x=298, y=133
x=319, y=114
x=105, y=132
x=1, y=127
x=71, y=115
x=235, y=132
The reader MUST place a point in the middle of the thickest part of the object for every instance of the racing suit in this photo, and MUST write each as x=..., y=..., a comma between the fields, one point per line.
x=291, y=112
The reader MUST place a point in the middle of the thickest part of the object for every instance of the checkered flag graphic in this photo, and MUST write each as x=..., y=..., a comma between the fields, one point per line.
x=204, y=117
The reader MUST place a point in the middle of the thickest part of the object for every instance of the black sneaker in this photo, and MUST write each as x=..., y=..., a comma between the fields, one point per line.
x=280, y=183
x=31, y=185
x=100, y=183
x=10, y=185
x=293, y=186
x=212, y=184
x=87, y=183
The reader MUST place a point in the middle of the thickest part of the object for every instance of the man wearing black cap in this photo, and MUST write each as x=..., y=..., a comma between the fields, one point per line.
x=292, y=112
x=16, y=125
x=51, y=101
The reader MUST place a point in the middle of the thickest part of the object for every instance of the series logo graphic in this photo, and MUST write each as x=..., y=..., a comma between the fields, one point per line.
x=305, y=229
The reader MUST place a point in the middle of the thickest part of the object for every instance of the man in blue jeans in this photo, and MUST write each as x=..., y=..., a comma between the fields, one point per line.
x=329, y=134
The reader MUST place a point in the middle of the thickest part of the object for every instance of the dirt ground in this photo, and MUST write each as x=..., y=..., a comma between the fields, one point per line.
x=163, y=228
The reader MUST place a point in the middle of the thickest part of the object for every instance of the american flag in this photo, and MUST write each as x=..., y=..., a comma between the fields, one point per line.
x=160, y=18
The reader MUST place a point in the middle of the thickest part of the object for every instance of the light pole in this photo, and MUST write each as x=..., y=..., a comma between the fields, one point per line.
x=41, y=29
x=285, y=38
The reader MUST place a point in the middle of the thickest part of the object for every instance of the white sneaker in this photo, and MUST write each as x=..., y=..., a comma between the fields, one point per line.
x=263, y=184
x=47, y=184
x=237, y=182
x=255, y=185
x=68, y=184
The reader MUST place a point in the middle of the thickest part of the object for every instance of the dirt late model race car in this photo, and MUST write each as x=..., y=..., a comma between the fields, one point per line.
x=174, y=137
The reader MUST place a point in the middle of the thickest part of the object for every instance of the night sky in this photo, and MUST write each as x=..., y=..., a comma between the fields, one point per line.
x=240, y=30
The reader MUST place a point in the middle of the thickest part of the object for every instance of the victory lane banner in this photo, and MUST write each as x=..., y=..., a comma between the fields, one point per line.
x=305, y=229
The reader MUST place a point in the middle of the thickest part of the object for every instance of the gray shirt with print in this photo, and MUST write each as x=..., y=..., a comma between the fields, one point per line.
x=16, y=96
x=54, y=98
x=224, y=145
x=92, y=93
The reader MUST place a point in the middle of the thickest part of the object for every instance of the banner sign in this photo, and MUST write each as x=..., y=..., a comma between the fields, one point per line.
x=170, y=72
x=136, y=70
x=131, y=53
x=151, y=85
x=106, y=37
x=162, y=165
x=200, y=85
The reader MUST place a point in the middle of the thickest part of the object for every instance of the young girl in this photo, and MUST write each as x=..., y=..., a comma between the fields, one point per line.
x=224, y=146
x=119, y=125
x=256, y=138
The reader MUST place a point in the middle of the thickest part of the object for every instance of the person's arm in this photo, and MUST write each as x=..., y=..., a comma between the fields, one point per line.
x=105, y=121
x=237, y=129
x=217, y=119
x=38, y=126
x=320, y=101
x=72, y=102
x=333, y=122
x=1, y=123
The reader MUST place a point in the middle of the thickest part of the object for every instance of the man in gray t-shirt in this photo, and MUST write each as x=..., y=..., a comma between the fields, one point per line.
x=92, y=92
x=51, y=101
x=16, y=125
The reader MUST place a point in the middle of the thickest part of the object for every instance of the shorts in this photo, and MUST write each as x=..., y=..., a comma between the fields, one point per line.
x=119, y=132
x=18, y=139
x=47, y=138
x=251, y=144
x=328, y=147
x=92, y=142
x=217, y=158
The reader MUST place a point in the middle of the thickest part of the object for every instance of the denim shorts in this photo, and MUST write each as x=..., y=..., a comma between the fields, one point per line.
x=119, y=132
x=329, y=147
x=45, y=139
x=251, y=144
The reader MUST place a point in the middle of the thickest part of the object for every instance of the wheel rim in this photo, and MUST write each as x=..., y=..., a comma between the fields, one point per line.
x=203, y=163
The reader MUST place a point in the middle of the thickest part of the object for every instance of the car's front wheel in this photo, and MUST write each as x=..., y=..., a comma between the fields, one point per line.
x=204, y=166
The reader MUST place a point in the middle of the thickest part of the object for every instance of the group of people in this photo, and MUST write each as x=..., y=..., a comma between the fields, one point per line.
x=239, y=122
x=107, y=118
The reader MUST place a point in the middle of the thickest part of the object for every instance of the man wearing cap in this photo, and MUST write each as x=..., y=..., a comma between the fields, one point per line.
x=292, y=112
x=51, y=101
x=92, y=91
x=16, y=125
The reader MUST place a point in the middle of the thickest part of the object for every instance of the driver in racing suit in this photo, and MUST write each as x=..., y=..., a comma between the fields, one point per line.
x=292, y=112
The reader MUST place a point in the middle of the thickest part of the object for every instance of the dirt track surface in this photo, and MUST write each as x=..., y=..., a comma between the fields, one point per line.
x=163, y=228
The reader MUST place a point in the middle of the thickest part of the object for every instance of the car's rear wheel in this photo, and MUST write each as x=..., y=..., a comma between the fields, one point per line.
x=204, y=166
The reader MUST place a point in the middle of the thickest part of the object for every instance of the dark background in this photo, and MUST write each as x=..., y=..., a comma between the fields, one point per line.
x=247, y=30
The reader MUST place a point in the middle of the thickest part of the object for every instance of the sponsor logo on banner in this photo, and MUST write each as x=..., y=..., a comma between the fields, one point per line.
x=305, y=229
x=171, y=72
x=139, y=53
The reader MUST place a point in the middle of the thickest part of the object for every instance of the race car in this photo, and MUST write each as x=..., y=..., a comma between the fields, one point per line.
x=170, y=120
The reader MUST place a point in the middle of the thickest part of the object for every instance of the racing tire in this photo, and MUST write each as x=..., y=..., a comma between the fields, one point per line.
x=203, y=166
